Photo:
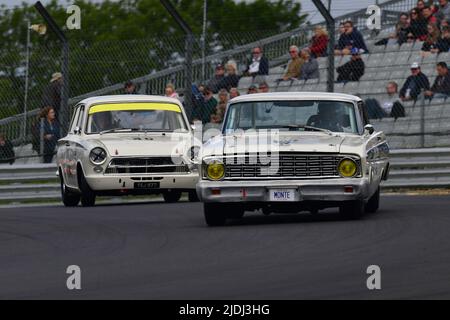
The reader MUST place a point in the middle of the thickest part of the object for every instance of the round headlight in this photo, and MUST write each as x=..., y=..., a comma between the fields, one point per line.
x=348, y=168
x=215, y=170
x=98, y=156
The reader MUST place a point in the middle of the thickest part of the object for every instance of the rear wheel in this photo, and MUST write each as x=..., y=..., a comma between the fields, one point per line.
x=172, y=196
x=87, y=194
x=374, y=203
x=69, y=199
x=352, y=210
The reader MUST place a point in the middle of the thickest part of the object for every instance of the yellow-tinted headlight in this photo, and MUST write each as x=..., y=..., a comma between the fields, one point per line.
x=348, y=168
x=215, y=170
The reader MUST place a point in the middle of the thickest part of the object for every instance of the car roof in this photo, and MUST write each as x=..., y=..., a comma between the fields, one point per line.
x=129, y=98
x=296, y=96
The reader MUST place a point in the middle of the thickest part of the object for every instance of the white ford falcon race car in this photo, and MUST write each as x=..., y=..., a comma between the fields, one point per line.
x=292, y=152
x=127, y=145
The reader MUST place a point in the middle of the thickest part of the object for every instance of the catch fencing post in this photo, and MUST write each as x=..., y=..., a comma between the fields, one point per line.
x=422, y=119
x=331, y=31
x=41, y=138
x=64, y=108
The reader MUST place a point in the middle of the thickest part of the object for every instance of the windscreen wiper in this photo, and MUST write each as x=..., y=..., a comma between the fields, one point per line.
x=294, y=127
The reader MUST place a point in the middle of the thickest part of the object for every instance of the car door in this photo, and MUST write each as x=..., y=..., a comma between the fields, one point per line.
x=69, y=145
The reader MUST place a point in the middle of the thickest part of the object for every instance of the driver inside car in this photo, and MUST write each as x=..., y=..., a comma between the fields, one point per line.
x=102, y=122
x=326, y=118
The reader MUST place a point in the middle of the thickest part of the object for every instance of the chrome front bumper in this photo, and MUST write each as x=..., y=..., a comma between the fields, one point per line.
x=307, y=190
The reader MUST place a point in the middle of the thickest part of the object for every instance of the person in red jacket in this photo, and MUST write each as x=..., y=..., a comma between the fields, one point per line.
x=319, y=42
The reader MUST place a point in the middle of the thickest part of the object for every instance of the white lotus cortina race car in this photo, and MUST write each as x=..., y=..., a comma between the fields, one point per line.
x=127, y=145
x=292, y=152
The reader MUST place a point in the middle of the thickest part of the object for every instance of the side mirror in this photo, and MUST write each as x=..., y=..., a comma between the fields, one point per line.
x=369, y=129
x=77, y=130
x=193, y=127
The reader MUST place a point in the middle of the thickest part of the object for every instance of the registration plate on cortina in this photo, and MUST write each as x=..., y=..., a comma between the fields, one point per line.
x=283, y=195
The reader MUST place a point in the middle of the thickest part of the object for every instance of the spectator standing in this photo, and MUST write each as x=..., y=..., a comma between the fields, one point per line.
x=418, y=25
x=430, y=43
x=170, y=91
x=208, y=107
x=319, y=42
x=441, y=86
x=234, y=92
x=294, y=65
x=258, y=65
x=51, y=132
x=130, y=88
x=231, y=80
x=7, y=154
x=352, y=70
x=52, y=93
x=218, y=77
x=310, y=68
x=352, y=38
x=414, y=84
x=444, y=11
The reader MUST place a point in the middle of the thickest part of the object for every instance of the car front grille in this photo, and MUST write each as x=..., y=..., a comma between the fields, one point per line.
x=286, y=165
x=156, y=165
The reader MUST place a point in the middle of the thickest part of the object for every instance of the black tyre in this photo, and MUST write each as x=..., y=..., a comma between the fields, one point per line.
x=215, y=216
x=69, y=199
x=87, y=194
x=374, y=202
x=352, y=210
x=172, y=196
x=192, y=195
x=235, y=212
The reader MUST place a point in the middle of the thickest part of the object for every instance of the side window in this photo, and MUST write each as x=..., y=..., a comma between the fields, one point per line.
x=363, y=113
x=73, y=123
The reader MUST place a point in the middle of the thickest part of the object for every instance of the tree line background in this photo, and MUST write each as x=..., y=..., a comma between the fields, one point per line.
x=124, y=39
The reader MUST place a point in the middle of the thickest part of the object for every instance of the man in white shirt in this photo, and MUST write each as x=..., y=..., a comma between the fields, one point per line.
x=258, y=65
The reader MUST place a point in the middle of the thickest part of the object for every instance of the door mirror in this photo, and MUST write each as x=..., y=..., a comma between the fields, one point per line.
x=77, y=130
x=369, y=129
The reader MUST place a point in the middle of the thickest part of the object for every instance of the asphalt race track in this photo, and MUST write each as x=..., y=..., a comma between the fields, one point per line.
x=165, y=251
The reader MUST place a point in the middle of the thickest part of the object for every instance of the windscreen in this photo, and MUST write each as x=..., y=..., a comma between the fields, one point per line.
x=335, y=116
x=136, y=117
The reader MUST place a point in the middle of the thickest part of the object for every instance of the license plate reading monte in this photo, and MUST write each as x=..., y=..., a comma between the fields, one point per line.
x=283, y=195
x=146, y=185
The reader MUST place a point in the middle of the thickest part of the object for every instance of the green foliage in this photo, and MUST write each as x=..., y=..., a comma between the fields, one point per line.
x=123, y=39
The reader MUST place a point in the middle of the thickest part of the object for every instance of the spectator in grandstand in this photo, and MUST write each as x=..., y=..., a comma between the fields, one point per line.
x=51, y=132
x=443, y=44
x=170, y=91
x=231, y=80
x=219, y=113
x=310, y=68
x=350, y=39
x=418, y=25
x=52, y=93
x=420, y=5
x=264, y=87
x=258, y=65
x=319, y=42
x=427, y=14
x=130, y=88
x=414, y=84
x=444, y=11
x=253, y=89
x=441, y=86
x=207, y=108
x=391, y=105
x=430, y=44
x=218, y=77
x=234, y=92
x=401, y=32
x=7, y=154
x=352, y=70
x=294, y=66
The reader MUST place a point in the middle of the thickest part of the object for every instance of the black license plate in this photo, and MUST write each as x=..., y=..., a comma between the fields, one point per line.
x=146, y=185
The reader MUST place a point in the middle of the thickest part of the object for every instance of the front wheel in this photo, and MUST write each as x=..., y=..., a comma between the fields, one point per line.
x=215, y=215
x=69, y=199
x=374, y=203
x=87, y=194
x=192, y=196
x=172, y=196
x=352, y=210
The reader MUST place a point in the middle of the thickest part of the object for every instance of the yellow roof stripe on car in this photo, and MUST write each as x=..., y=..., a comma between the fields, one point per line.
x=134, y=106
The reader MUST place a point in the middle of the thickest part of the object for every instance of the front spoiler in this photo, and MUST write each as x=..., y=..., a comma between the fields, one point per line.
x=307, y=190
